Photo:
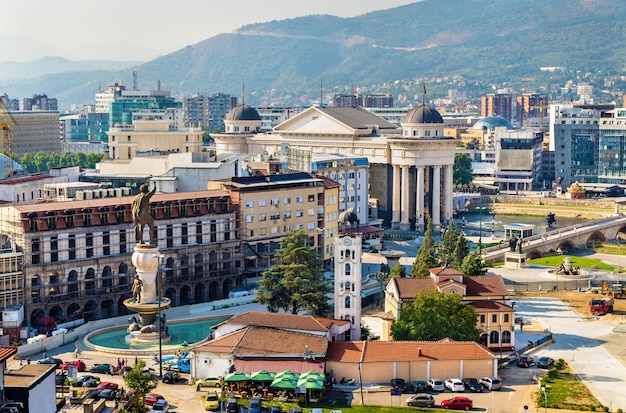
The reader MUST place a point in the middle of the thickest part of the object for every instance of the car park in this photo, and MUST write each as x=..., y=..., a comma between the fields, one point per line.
x=107, y=385
x=421, y=400
x=454, y=385
x=51, y=360
x=458, y=403
x=399, y=383
x=545, y=362
x=419, y=386
x=212, y=401
x=171, y=377
x=472, y=384
x=436, y=385
x=152, y=398
x=101, y=368
x=107, y=394
x=525, y=361
x=491, y=383
x=80, y=382
x=212, y=381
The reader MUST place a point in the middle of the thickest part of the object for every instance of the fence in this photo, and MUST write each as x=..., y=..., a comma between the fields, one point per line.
x=558, y=284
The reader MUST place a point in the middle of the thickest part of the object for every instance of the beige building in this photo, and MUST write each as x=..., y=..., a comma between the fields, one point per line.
x=153, y=132
x=487, y=294
x=270, y=206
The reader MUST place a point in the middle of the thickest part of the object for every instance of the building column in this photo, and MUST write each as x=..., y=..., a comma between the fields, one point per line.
x=395, y=203
x=448, y=193
x=405, y=224
x=419, y=199
x=436, y=191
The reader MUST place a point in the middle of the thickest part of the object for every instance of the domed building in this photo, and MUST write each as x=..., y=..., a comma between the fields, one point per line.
x=492, y=122
x=240, y=123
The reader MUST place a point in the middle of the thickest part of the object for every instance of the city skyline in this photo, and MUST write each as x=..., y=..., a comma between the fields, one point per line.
x=84, y=31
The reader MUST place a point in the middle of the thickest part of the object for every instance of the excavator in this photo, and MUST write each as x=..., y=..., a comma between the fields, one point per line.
x=614, y=290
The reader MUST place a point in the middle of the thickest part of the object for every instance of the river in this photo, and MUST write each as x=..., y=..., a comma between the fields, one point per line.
x=473, y=220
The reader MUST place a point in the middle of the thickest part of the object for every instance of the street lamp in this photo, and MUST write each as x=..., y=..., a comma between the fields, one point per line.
x=380, y=277
x=493, y=224
x=480, y=232
x=545, y=396
x=158, y=279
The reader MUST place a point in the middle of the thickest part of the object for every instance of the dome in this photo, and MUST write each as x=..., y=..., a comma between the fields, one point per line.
x=243, y=112
x=492, y=122
x=423, y=114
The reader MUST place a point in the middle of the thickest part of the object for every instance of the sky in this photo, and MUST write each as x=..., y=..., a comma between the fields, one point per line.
x=144, y=29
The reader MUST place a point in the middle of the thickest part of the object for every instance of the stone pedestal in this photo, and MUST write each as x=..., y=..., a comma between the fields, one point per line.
x=514, y=260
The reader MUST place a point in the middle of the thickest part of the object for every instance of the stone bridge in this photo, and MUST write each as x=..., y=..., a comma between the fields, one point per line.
x=567, y=239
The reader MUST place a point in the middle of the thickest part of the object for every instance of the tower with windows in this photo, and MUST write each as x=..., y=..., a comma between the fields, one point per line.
x=348, y=269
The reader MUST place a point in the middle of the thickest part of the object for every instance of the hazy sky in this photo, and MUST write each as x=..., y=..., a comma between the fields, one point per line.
x=156, y=25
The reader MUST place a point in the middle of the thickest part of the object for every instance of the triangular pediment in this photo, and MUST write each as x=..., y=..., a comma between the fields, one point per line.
x=314, y=121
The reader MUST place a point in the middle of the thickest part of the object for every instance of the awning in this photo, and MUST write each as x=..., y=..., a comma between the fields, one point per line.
x=278, y=365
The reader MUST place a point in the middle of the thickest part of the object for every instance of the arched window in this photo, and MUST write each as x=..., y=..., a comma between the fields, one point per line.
x=506, y=336
x=348, y=268
x=347, y=285
x=347, y=302
x=494, y=337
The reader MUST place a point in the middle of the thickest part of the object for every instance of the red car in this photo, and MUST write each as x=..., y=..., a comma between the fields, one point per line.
x=107, y=385
x=80, y=365
x=458, y=403
x=152, y=398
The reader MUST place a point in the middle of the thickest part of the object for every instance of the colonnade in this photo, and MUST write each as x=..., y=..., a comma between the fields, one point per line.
x=440, y=195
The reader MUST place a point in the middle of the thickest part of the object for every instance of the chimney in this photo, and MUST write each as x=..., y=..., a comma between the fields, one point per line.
x=419, y=352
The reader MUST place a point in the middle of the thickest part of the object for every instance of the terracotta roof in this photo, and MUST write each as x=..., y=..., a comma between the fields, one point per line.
x=408, y=287
x=6, y=352
x=284, y=321
x=443, y=271
x=488, y=305
x=389, y=351
x=262, y=341
x=22, y=179
x=485, y=285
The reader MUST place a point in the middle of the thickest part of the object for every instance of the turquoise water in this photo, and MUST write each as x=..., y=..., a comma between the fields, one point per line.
x=189, y=331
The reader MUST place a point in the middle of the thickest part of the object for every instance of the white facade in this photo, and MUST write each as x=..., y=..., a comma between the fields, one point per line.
x=347, y=293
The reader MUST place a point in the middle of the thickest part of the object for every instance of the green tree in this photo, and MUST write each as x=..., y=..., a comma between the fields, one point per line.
x=142, y=383
x=296, y=281
x=425, y=259
x=473, y=265
x=434, y=316
x=397, y=271
x=448, y=242
x=461, y=249
x=462, y=171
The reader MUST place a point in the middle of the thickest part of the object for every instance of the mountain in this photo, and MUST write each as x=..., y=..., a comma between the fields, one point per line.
x=494, y=41
x=55, y=64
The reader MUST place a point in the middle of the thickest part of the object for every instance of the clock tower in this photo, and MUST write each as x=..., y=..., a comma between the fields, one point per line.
x=348, y=268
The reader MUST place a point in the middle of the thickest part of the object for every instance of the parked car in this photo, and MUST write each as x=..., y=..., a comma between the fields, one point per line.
x=472, y=384
x=454, y=385
x=79, y=364
x=152, y=398
x=232, y=406
x=171, y=377
x=275, y=409
x=212, y=401
x=212, y=381
x=80, y=382
x=545, y=362
x=107, y=394
x=436, y=385
x=51, y=360
x=525, y=361
x=419, y=386
x=421, y=400
x=161, y=406
x=59, y=379
x=458, y=403
x=255, y=405
x=91, y=383
x=101, y=368
x=491, y=383
x=399, y=383
x=107, y=385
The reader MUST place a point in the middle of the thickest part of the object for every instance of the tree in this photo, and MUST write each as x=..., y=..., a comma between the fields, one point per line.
x=141, y=382
x=296, y=281
x=425, y=259
x=462, y=170
x=461, y=249
x=448, y=242
x=434, y=315
x=397, y=271
x=473, y=265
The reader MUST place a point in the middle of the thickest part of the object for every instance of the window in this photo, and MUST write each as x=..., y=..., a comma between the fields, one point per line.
x=184, y=234
x=250, y=218
x=494, y=318
x=249, y=204
x=287, y=200
x=348, y=268
x=287, y=214
x=310, y=212
x=482, y=319
x=299, y=212
x=275, y=230
x=506, y=318
x=311, y=225
x=106, y=243
x=299, y=199
x=262, y=202
x=275, y=201
x=311, y=198
x=89, y=243
x=347, y=302
x=262, y=217
x=54, y=249
x=122, y=242
x=72, y=246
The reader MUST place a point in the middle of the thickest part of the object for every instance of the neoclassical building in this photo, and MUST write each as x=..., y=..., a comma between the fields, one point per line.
x=410, y=167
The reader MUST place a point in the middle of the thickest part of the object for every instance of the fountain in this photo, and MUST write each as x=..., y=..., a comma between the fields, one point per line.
x=567, y=269
x=146, y=300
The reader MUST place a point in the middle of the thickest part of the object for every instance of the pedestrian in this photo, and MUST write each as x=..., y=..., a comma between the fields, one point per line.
x=116, y=404
x=119, y=363
x=28, y=360
x=136, y=360
x=44, y=354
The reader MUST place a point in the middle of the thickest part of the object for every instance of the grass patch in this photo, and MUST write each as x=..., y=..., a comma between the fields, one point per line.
x=564, y=390
x=306, y=408
x=581, y=262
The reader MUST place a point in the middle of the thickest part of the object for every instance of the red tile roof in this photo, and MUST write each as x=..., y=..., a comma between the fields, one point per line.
x=443, y=271
x=488, y=305
x=6, y=352
x=284, y=321
x=477, y=286
x=389, y=351
x=408, y=287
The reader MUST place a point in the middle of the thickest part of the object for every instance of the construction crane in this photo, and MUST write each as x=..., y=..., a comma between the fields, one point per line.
x=542, y=106
x=7, y=122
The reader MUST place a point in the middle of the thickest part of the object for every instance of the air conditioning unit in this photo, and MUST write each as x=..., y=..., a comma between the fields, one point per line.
x=275, y=221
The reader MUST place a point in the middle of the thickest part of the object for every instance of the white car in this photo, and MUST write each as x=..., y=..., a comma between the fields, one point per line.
x=436, y=385
x=455, y=385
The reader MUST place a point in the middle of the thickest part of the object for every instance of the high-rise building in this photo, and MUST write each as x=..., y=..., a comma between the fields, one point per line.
x=532, y=106
x=368, y=100
x=35, y=131
x=208, y=111
x=497, y=104
x=40, y=102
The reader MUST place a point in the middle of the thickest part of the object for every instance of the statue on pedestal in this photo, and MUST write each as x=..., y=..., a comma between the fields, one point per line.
x=136, y=289
x=141, y=214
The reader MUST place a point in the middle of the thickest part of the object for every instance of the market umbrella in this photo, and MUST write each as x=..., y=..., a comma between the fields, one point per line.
x=261, y=376
x=311, y=384
x=312, y=374
x=288, y=375
x=236, y=376
x=283, y=383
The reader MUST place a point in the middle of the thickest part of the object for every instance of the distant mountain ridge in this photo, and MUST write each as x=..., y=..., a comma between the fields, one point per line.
x=497, y=41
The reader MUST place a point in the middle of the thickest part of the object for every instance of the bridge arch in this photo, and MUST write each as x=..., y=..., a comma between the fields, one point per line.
x=565, y=247
x=533, y=255
x=595, y=239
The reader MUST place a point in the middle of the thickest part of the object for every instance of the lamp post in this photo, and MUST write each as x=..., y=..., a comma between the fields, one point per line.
x=380, y=277
x=545, y=396
x=480, y=230
x=158, y=280
x=493, y=224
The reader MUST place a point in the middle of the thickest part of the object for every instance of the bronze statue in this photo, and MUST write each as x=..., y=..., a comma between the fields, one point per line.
x=136, y=288
x=141, y=214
